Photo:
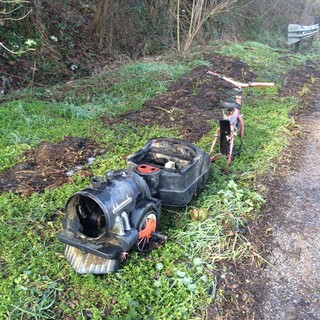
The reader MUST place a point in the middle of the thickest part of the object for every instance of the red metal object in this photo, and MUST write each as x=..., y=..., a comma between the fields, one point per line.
x=234, y=117
x=151, y=225
x=145, y=168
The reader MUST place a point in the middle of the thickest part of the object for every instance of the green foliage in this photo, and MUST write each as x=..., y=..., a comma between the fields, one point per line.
x=175, y=281
x=223, y=215
x=270, y=64
x=114, y=93
x=26, y=124
x=261, y=58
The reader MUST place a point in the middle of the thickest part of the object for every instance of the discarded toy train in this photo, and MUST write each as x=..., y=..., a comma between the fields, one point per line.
x=121, y=210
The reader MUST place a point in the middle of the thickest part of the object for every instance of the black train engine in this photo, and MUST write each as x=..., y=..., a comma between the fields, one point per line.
x=121, y=210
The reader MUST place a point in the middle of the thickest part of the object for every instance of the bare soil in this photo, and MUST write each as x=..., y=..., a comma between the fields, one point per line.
x=188, y=106
x=50, y=166
x=192, y=102
x=287, y=284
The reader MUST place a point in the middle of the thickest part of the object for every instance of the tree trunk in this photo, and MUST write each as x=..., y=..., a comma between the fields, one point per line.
x=102, y=24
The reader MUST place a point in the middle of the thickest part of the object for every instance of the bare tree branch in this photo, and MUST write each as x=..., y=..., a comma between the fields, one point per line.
x=15, y=19
x=14, y=1
x=199, y=13
x=16, y=52
x=9, y=12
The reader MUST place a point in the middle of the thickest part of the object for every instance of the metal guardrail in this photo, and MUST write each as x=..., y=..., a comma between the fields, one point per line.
x=297, y=33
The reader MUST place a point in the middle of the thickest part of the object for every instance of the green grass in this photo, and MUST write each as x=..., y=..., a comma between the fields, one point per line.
x=25, y=124
x=269, y=63
x=176, y=281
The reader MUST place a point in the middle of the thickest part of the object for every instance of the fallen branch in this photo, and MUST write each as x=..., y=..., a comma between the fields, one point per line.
x=16, y=52
x=15, y=19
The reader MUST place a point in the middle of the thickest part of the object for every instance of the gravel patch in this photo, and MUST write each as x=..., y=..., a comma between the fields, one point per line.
x=290, y=285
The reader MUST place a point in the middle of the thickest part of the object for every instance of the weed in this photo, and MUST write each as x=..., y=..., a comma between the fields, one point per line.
x=86, y=111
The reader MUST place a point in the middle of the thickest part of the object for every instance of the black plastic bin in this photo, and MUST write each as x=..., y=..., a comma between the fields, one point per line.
x=175, y=170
